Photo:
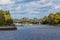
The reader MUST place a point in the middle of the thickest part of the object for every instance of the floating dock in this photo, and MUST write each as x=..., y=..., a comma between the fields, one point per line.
x=8, y=28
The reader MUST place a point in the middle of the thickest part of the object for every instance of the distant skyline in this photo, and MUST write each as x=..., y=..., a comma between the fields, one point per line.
x=30, y=8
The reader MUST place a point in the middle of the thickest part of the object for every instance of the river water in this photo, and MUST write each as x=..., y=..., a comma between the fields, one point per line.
x=32, y=32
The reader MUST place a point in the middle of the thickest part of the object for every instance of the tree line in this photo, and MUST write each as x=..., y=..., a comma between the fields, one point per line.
x=5, y=18
x=52, y=19
x=27, y=21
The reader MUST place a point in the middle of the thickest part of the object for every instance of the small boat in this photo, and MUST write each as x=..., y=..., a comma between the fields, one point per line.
x=30, y=24
x=18, y=24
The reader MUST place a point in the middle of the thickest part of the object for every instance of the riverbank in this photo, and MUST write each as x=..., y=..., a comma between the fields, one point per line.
x=51, y=25
x=8, y=28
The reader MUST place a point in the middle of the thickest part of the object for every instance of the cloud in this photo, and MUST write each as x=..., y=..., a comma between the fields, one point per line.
x=3, y=2
x=20, y=0
x=33, y=8
x=57, y=7
x=18, y=8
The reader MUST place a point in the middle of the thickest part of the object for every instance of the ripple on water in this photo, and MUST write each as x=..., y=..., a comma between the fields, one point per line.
x=8, y=35
x=42, y=32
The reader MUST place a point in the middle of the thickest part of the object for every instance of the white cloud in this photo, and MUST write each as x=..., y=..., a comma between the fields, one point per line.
x=20, y=0
x=39, y=4
x=57, y=7
x=43, y=1
x=32, y=7
x=5, y=2
x=17, y=8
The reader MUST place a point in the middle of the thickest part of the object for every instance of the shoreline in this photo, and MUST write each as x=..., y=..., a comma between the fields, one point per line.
x=8, y=28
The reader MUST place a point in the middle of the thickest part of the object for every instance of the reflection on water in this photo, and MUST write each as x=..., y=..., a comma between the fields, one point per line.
x=32, y=32
x=8, y=35
x=39, y=32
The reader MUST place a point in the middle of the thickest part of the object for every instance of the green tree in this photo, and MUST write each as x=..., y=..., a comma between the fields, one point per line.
x=2, y=18
x=8, y=18
x=52, y=18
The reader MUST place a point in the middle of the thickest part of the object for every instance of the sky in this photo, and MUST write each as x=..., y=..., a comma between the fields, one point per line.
x=30, y=8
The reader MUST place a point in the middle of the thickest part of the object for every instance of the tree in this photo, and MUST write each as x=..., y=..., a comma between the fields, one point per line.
x=45, y=20
x=52, y=18
x=2, y=18
x=5, y=18
x=8, y=18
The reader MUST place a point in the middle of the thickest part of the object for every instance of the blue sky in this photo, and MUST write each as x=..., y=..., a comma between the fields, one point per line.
x=30, y=8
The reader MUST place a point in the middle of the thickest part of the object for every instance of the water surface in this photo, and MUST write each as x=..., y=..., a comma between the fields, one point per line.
x=39, y=32
x=32, y=32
